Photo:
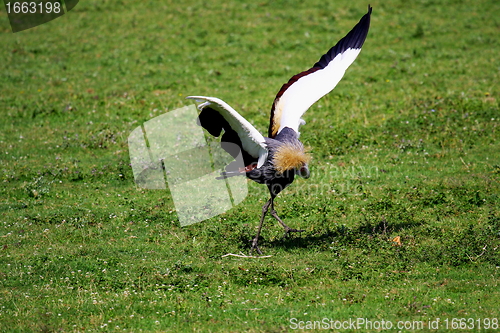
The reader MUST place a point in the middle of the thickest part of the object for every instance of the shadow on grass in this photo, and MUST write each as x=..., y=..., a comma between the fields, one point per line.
x=339, y=233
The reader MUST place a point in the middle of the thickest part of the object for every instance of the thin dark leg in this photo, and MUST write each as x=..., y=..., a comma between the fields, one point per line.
x=265, y=208
x=287, y=228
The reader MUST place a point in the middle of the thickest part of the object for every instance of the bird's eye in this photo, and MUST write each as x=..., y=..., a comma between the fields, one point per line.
x=303, y=172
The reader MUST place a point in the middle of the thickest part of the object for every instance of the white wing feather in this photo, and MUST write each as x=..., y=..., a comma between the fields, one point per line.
x=252, y=141
x=307, y=90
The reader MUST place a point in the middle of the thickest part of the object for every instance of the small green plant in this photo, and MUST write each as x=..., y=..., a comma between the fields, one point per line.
x=38, y=188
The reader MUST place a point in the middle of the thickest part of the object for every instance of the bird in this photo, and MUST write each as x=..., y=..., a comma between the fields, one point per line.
x=275, y=160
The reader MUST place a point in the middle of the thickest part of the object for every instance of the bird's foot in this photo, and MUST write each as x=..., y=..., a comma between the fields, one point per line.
x=255, y=247
x=288, y=230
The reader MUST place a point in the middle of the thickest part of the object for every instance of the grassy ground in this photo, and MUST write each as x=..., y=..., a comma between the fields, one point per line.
x=406, y=146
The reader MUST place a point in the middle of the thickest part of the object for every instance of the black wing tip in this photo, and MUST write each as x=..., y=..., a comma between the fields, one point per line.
x=356, y=37
x=353, y=40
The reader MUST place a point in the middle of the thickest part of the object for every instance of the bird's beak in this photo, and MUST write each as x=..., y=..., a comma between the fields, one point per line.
x=303, y=172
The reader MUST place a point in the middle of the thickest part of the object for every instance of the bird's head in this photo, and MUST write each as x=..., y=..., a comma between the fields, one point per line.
x=292, y=156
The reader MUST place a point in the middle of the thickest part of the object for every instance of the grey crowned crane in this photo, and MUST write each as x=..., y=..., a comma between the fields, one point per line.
x=275, y=160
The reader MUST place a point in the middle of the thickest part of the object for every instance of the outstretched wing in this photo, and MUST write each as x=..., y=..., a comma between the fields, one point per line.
x=304, y=89
x=216, y=115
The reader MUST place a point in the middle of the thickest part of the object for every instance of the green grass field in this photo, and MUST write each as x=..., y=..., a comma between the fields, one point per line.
x=406, y=146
